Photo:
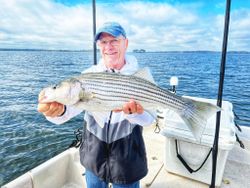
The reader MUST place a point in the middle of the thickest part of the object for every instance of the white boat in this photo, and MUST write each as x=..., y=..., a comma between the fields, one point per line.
x=165, y=170
x=65, y=170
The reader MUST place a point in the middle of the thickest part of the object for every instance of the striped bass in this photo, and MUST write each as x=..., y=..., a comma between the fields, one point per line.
x=105, y=91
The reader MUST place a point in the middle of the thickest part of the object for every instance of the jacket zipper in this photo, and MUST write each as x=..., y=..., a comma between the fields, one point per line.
x=108, y=148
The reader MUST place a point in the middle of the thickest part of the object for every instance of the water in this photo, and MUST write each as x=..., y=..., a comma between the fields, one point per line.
x=27, y=139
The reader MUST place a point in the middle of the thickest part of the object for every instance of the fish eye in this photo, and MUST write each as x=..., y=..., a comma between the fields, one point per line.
x=54, y=87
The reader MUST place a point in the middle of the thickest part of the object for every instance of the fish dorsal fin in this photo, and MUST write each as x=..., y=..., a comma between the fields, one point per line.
x=145, y=74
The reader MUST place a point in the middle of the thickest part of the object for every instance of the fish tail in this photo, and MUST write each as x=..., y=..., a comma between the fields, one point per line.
x=196, y=114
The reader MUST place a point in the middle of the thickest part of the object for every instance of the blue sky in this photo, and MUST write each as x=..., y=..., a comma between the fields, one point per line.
x=170, y=25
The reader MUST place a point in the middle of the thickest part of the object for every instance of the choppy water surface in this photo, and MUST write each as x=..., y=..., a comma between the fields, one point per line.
x=27, y=139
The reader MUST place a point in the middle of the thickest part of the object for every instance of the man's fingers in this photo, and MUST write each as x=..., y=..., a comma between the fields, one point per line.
x=126, y=108
x=43, y=107
x=57, y=112
x=117, y=110
x=51, y=109
x=132, y=106
x=140, y=109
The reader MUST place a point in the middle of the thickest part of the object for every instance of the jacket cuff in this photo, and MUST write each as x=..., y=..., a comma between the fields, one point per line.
x=65, y=108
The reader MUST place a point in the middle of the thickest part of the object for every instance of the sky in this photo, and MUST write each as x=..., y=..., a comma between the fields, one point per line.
x=153, y=25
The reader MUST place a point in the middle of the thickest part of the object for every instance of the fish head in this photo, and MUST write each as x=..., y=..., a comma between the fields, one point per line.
x=67, y=92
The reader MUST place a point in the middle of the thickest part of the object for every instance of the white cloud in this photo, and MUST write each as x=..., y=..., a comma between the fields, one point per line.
x=153, y=26
x=44, y=22
x=239, y=30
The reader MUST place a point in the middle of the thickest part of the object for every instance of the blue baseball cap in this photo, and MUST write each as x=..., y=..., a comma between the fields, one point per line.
x=112, y=28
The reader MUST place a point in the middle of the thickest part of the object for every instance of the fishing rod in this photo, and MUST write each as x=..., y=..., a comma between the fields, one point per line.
x=94, y=31
x=220, y=92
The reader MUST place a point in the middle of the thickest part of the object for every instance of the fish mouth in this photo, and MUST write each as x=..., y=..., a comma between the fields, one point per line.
x=42, y=97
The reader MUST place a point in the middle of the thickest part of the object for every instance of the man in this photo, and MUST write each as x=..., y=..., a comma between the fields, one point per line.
x=115, y=153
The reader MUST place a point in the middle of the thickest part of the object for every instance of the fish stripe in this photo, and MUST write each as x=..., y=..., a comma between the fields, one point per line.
x=132, y=93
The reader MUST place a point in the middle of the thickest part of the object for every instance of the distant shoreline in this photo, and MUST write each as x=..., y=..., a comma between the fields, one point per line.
x=198, y=51
x=16, y=49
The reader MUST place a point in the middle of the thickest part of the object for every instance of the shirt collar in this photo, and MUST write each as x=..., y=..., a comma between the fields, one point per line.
x=130, y=67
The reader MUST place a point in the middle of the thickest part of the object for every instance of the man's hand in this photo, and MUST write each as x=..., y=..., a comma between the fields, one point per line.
x=53, y=109
x=131, y=107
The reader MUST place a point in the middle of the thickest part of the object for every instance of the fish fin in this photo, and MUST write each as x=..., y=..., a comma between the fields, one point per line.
x=145, y=74
x=80, y=105
x=196, y=114
x=84, y=96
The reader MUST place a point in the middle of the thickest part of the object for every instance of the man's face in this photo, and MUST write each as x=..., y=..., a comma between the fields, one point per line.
x=113, y=50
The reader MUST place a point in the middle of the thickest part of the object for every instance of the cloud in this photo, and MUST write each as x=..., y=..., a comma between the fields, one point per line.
x=239, y=30
x=153, y=26
x=44, y=24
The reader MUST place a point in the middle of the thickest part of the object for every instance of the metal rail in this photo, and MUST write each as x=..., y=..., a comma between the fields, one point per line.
x=220, y=92
x=94, y=31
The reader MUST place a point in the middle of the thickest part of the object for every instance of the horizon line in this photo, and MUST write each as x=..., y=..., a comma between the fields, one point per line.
x=84, y=50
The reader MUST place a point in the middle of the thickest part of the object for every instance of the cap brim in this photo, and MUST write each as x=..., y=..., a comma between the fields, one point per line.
x=100, y=32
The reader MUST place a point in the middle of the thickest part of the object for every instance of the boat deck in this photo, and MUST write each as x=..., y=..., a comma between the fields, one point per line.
x=236, y=174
